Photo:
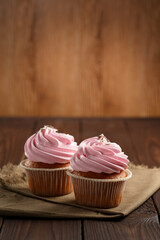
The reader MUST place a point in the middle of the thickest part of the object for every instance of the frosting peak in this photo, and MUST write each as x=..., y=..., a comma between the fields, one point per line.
x=103, y=139
x=49, y=146
x=98, y=154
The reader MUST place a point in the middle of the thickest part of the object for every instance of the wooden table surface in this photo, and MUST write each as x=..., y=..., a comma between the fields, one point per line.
x=139, y=138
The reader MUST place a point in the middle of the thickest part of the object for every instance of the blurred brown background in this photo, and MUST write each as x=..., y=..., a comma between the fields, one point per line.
x=80, y=58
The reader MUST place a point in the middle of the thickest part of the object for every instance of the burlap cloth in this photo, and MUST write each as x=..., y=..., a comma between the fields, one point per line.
x=17, y=200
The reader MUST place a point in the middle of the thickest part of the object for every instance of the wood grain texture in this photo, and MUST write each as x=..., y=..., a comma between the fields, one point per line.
x=140, y=224
x=13, y=133
x=40, y=229
x=17, y=94
x=145, y=137
x=156, y=200
x=143, y=223
x=1, y=223
x=80, y=58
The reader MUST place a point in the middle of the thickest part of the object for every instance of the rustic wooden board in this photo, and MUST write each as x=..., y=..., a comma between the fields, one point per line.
x=37, y=229
x=145, y=136
x=13, y=133
x=143, y=222
x=140, y=224
x=80, y=58
x=1, y=223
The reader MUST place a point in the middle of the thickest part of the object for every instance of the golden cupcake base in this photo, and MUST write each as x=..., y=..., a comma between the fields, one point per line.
x=99, y=193
x=48, y=182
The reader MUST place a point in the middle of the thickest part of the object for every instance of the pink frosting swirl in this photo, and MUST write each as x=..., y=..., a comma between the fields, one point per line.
x=98, y=155
x=50, y=147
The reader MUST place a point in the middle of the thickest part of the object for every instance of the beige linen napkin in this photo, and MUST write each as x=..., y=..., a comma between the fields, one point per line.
x=17, y=200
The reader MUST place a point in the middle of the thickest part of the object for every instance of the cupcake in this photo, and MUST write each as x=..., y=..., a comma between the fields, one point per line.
x=48, y=157
x=99, y=173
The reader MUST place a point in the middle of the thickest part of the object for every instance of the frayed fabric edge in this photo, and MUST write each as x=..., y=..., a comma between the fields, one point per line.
x=142, y=166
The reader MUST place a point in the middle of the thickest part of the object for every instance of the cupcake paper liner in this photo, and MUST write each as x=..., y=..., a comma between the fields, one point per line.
x=100, y=193
x=48, y=182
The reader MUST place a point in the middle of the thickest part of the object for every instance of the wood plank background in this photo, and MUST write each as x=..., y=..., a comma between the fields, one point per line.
x=80, y=58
